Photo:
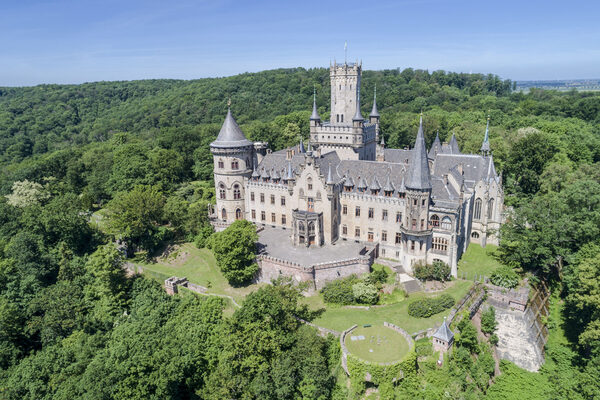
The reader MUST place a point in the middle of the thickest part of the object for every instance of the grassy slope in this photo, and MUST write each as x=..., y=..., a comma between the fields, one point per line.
x=341, y=318
x=392, y=346
x=477, y=261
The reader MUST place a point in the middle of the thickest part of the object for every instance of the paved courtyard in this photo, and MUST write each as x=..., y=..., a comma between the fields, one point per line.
x=277, y=242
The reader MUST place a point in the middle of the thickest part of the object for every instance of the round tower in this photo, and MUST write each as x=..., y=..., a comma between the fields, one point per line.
x=233, y=163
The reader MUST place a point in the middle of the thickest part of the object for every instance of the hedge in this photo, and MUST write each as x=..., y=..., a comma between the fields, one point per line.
x=425, y=308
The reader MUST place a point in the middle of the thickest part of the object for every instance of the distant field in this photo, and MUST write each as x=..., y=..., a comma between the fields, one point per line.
x=380, y=344
x=561, y=85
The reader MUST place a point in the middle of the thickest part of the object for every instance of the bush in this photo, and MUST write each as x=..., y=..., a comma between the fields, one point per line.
x=377, y=277
x=204, y=234
x=365, y=293
x=506, y=277
x=438, y=271
x=488, y=321
x=425, y=308
x=340, y=291
x=423, y=347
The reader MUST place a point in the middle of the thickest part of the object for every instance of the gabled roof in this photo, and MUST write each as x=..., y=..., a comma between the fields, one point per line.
x=230, y=134
x=444, y=333
x=418, y=168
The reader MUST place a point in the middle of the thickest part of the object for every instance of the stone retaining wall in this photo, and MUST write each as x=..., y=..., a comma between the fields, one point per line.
x=345, y=349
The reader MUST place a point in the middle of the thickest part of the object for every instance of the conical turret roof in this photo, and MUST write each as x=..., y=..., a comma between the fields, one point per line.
x=358, y=116
x=389, y=187
x=348, y=182
x=444, y=333
x=255, y=173
x=315, y=114
x=230, y=134
x=374, y=184
x=418, y=168
x=362, y=184
x=454, y=145
x=374, y=112
x=436, y=146
x=302, y=150
x=485, y=146
x=329, y=177
x=290, y=173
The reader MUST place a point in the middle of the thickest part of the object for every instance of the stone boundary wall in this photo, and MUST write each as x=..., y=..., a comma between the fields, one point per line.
x=318, y=274
x=345, y=349
x=401, y=331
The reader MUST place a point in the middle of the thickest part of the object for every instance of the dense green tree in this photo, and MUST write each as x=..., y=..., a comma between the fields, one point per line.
x=235, y=250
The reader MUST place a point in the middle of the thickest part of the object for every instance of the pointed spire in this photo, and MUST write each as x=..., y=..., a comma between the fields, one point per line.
x=485, y=146
x=348, y=182
x=454, y=149
x=418, y=168
x=230, y=134
x=374, y=112
x=275, y=174
x=388, y=185
x=302, y=150
x=382, y=140
x=362, y=184
x=436, y=146
x=290, y=173
x=374, y=184
x=315, y=114
x=402, y=187
x=358, y=116
x=255, y=173
x=329, y=177
x=265, y=174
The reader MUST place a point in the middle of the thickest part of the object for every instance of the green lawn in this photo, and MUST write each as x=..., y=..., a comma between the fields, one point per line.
x=477, y=261
x=380, y=344
x=342, y=318
x=200, y=267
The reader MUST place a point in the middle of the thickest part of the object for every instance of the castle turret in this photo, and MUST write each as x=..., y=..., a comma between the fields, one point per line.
x=233, y=165
x=485, y=146
x=345, y=81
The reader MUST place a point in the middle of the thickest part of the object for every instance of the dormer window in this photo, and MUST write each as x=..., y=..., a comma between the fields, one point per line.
x=388, y=193
x=347, y=188
x=374, y=192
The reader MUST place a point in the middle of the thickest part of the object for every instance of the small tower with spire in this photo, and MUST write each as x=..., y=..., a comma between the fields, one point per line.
x=315, y=119
x=485, y=146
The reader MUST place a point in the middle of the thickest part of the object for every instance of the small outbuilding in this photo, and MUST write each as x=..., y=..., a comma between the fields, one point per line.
x=443, y=338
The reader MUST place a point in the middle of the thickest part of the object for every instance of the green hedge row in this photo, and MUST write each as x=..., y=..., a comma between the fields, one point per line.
x=427, y=307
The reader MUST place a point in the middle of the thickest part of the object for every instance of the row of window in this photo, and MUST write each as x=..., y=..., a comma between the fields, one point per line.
x=439, y=244
x=272, y=198
x=477, y=211
x=446, y=222
x=235, y=164
x=263, y=217
x=237, y=192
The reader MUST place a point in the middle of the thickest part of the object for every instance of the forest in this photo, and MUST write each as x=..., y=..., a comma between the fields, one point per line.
x=74, y=325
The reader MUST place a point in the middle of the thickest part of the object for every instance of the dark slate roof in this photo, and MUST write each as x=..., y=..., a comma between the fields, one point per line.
x=397, y=155
x=389, y=187
x=374, y=184
x=230, y=134
x=417, y=176
x=436, y=147
x=485, y=146
x=374, y=112
x=454, y=145
x=444, y=333
x=475, y=167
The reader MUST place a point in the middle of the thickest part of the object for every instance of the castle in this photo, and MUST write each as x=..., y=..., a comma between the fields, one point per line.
x=345, y=186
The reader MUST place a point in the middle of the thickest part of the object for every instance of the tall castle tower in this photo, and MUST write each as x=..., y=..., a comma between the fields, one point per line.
x=233, y=162
x=416, y=232
x=345, y=84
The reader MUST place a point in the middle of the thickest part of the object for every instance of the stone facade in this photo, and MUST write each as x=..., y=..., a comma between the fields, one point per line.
x=412, y=205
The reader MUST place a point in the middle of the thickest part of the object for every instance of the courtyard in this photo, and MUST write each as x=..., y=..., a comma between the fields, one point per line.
x=376, y=343
x=276, y=242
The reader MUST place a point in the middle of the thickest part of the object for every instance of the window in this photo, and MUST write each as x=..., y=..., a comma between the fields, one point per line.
x=251, y=196
x=423, y=202
x=477, y=212
x=221, y=191
x=490, y=210
x=415, y=202
x=357, y=212
x=412, y=244
x=223, y=214
x=309, y=183
x=422, y=224
x=337, y=117
x=344, y=209
x=357, y=232
x=273, y=218
x=399, y=217
x=414, y=223
x=263, y=216
x=283, y=200
x=344, y=230
x=311, y=204
x=236, y=192
x=384, y=215
x=475, y=235
x=384, y=236
x=221, y=164
x=342, y=118
x=398, y=238
x=446, y=223
x=253, y=214
x=370, y=236
x=435, y=220
x=283, y=219
x=238, y=214
x=272, y=199
x=439, y=244
x=371, y=213
x=262, y=197
x=235, y=164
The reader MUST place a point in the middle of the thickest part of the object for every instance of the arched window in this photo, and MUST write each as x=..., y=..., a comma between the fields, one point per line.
x=435, y=220
x=311, y=228
x=309, y=183
x=223, y=214
x=490, y=210
x=221, y=164
x=238, y=214
x=235, y=164
x=301, y=226
x=446, y=223
x=221, y=191
x=236, y=192
x=477, y=211
x=475, y=235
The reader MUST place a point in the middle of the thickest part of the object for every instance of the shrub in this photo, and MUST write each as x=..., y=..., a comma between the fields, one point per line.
x=204, y=234
x=340, y=291
x=425, y=308
x=365, y=293
x=488, y=321
x=423, y=347
x=438, y=271
x=377, y=277
x=506, y=277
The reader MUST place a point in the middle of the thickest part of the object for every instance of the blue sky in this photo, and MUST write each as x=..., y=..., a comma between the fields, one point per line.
x=73, y=41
